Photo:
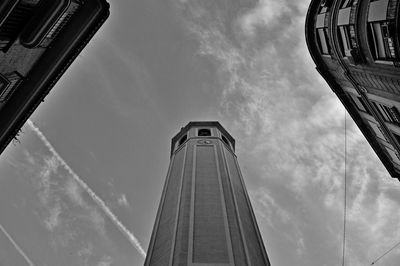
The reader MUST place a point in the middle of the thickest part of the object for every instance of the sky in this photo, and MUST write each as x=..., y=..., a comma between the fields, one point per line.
x=83, y=183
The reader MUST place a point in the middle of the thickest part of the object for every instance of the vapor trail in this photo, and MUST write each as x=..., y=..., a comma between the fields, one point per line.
x=132, y=239
x=30, y=263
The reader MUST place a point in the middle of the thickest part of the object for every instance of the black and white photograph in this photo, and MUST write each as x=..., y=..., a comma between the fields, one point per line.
x=199, y=132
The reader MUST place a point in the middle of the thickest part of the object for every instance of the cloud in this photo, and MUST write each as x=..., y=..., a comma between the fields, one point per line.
x=122, y=201
x=105, y=261
x=98, y=220
x=74, y=193
x=86, y=251
x=53, y=220
x=265, y=13
x=268, y=208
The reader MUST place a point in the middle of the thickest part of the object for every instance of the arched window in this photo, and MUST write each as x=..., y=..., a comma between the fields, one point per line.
x=182, y=140
x=225, y=140
x=204, y=132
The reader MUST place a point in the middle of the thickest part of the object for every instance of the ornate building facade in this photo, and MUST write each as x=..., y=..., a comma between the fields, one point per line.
x=355, y=46
x=39, y=39
x=205, y=216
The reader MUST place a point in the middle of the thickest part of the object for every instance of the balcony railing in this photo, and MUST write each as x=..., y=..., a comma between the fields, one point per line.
x=13, y=21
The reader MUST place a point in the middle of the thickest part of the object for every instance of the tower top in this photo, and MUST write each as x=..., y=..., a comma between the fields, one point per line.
x=201, y=129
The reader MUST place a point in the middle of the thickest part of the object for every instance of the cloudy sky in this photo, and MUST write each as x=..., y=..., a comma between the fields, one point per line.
x=82, y=187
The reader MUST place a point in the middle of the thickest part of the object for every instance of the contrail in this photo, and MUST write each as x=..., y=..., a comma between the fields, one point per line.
x=30, y=263
x=134, y=241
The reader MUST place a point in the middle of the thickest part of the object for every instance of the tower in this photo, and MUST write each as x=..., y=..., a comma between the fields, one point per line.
x=205, y=217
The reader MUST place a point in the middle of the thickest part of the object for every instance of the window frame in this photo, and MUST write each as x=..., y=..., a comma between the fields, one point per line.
x=360, y=104
x=381, y=40
x=344, y=37
x=390, y=114
x=324, y=47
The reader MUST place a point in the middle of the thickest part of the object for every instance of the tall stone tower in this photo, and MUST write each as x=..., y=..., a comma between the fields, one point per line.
x=205, y=217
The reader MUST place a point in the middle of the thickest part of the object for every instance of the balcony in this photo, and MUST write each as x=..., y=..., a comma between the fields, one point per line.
x=14, y=15
x=50, y=14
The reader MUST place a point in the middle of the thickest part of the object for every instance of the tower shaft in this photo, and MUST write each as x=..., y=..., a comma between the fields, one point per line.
x=205, y=216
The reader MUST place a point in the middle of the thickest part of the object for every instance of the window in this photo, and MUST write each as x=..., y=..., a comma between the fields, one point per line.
x=323, y=42
x=8, y=84
x=360, y=103
x=322, y=28
x=393, y=155
x=381, y=38
x=347, y=3
x=323, y=9
x=345, y=39
x=378, y=131
x=397, y=137
x=225, y=140
x=204, y=132
x=182, y=140
x=390, y=114
x=325, y=5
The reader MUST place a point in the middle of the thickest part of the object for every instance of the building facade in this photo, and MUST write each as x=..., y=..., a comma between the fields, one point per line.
x=205, y=216
x=39, y=39
x=355, y=46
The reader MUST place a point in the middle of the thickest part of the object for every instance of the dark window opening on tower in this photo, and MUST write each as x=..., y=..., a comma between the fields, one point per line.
x=204, y=132
x=182, y=140
x=225, y=140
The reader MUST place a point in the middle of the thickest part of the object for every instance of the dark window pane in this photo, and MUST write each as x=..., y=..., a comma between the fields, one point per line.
x=182, y=140
x=204, y=132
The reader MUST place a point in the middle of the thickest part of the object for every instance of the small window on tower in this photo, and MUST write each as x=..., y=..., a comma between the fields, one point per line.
x=182, y=140
x=225, y=140
x=204, y=132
